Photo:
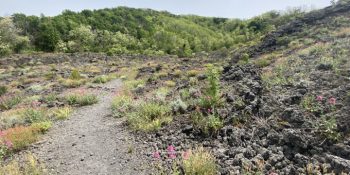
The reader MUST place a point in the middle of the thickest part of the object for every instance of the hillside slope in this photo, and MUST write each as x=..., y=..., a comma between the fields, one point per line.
x=126, y=30
x=299, y=92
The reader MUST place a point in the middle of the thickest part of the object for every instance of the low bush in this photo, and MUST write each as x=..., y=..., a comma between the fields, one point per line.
x=149, y=116
x=193, y=73
x=62, y=113
x=3, y=90
x=178, y=106
x=29, y=167
x=9, y=101
x=75, y=75
x=327, y=127
x=21, y=136
x=72, y=83
x=103, y=79
x=33, y=115
x=81, y=99
x=170, y=83
x=42, y=126
x=120, y=105
x=209, y=124
x=200, y=162
x=211, y=96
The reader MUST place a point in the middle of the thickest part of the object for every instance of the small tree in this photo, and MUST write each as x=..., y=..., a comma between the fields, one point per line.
x=81, y=39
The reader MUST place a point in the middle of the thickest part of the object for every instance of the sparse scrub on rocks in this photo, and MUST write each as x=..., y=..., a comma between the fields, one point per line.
x=327, y=127
x=208, y=123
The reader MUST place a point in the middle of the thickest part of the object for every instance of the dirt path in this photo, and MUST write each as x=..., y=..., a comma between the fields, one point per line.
x=91, y=142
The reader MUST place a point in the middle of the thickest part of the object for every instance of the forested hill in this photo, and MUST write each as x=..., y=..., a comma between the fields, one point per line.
x=126, y=30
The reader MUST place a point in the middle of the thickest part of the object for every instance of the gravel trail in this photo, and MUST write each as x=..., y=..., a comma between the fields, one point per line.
x=91, y=142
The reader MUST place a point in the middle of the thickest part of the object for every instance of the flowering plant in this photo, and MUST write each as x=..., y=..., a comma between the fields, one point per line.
x=5, y=145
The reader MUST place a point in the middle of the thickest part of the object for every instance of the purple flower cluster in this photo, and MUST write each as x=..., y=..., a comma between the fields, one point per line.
x=171, y=153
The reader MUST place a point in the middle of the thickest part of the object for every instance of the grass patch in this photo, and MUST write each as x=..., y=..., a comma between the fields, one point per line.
x=103, y=79
x=209, y=124
x=149, y=116
x=200, y=162
x=170, y=83
x=10, y=101
x=72, y=83
x=62, y=113
x=81, y=99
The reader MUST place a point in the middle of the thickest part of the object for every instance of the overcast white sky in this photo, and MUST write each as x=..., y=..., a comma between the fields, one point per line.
x=217, y=8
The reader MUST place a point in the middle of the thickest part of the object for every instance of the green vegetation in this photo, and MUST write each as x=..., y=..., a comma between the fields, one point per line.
x=30, y=166
x=148, y=116
x=9, y=102
x=209, y=124
x=133, y=31
x=328, y=128
x=81, y=99
x=201, y=162
x=62, y=113
x=121, y=105
x=103, y=79
x=212, y=96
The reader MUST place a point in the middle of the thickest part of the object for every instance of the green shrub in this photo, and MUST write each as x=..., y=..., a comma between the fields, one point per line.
x=328, y=128
x=121, y=105
x=185, y=94
x=170, y=83
x=178, y=106
x=72, y=83
x=192, y=73
x=81, y=99
x=33, y=115
x=149, y=116
x=209, y=125
x=211, y=98
x=9, y=102
x=62, y=113
x=42, y=126
x=103, y=79
x=310, y=104
x=3, y=90
x=50, y=98
x=193, y=81
x=75, y=75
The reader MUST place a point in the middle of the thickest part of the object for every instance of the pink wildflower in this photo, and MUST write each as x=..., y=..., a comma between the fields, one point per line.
x=209, y=110
x=171, y=152
x=2, y=133
x=319, y=98
x=156, y=155
x=272, y=173
x=186, y=154
x=8, y=144
x=35, y=104
x=332, y=101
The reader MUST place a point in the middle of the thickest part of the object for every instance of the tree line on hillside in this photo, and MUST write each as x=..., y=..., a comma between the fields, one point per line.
x=125, y=30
